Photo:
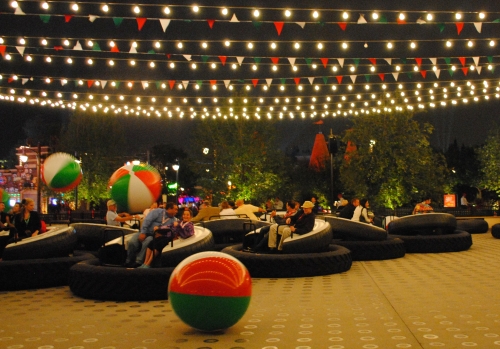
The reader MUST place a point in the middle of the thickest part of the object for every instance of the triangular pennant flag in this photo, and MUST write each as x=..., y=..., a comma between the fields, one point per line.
x=9, y=80
x=257, y=24
x=433, y=60
x=341, y=62
x=275, y=60
x=185, y=84
x=419, y=61
x=20, y=49
x=45, y=18
x=342, y=25
x=199, y=82
x=450, y=71
x=400, y=21
x=25, y=80
x=490, y=59
x=496, y=20
x=213, y=82
x=381, y=76
x=382, y=19
x=64, y=82
x=420, y=21
x=388, y=60
x=269, y=81
x=140, y=22
x=437, y=72
x=279, y=27
x=131, y=84
x=211, y=23
x=460, y=26
x=115, y=49
x=356, y=62
x=117, y=21
x=297, y=81
x=255, y=82
x=240, y=60
x=441, y=27
x=158, y=84
x=78, y=46
x=234, y=18
x=133, y=50
x=325, y=80
x=223, y=59
x=168, y=55
x=447, y=60
x=117, y=84
x=311, y=80
x=308, y=61
x=324, y=61
x=164, y=24
x=462, y=60
x=188, y=57
x=403, y=60
x=92, y=18
x=67, y=18
x=58, y=48
x=171, y=83
x=353, y=78
x=361, y=19
x=476, y=60
x=257, y=60
x=301, y=24
x=339, y=79
x=478, y=26
x=395, y=75
x=18, y=11
x=292, y=60
x=90, y=83
x=226, y=83
x=96, y=46
x=283, y=81
x=204, y=58
x=423, y=73
x=409, y=74
x=373, y=61
x=145, y=84
x=367, y=77
x=479, y=70
x=465, y=70
x=103, y=83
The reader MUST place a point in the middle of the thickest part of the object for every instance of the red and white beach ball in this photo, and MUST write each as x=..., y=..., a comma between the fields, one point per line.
x=210, y=291
x=60, y=172
x=135, y=187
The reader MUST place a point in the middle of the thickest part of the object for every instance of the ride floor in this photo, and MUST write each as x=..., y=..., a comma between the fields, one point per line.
x=447, y=300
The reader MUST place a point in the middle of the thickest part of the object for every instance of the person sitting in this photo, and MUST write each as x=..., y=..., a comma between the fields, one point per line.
x=247, y=209
x=278, y=204
x=152, y=207
x=164, y=234
x=341, y=202
x=27, y=221
x=206, y=211
x=301, y=223
x=317, y=208
x=423, y=207
x=348, y=211
x=226, y=211
x=463, y=201
x=138, y=243
x=269, y=205
x=361, y=212
x=115, y=219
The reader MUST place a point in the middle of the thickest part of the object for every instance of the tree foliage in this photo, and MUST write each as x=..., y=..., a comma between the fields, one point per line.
x=489, y=158
x=393, y=163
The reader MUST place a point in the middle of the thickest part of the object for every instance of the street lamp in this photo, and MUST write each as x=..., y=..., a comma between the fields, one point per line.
x=24, y=158
x=176, y=167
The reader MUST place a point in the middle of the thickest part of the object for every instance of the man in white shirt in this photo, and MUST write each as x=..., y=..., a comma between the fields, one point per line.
x=247, y=209
x=113, y=218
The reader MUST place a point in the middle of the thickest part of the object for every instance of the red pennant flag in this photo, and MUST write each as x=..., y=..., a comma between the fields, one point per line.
x=140, y=22
x=254, y=82
x=465, y=70
x=115, y=49
x=460, y=26
x=67, y=18
x=339, y=79
x=342, y=25
x=2, y=49
x=381, y=76
x=223, y=59
x=401, y=21
x=58, y=48
x=213, y=82
x=275, y=60
x=168, y=55
x=90, y=83
x=279, y=27
x=419, y=61
x=131, y=84
x=320, y=122
x=423, y=73
x=462, y=60
x=171, y=83
x=324, y=61
x=297, y=81
x=373, y=61
x=9, y=80
x=211, y=23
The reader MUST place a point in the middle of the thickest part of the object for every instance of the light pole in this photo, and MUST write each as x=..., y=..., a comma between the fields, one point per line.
x=24, y=158
x=176, y=169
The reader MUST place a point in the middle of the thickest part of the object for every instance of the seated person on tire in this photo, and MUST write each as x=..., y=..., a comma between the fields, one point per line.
x=247, y=209
x=301, y=223
x=139, y=241
x=113, y=218
x=348, y=211
x=27, y=221
x=423, y=207
x=361, y=212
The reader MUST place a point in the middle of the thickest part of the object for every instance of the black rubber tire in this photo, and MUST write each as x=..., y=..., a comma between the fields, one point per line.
x=336, y=260
x=317, y=242
x=346, y=229
x=495, y=231
x=391, y=248
x=473, y=226
x=173, y=257
x=59, y=242
x=88, y=279
x=456, y=242
x=37, y=273
x=423, y=224
x=90, y=234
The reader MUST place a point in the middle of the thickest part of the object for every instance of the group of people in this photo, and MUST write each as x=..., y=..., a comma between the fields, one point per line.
x=356, y=210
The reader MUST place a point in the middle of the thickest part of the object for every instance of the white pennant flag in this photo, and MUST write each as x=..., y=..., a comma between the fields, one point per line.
x=92, y=18
x=164, y=24
x=311, y=80
x=25, y=80
x=292, y=60
x=78, y=46
x=341, y=62
x=18, y=11
x=421, y=21
x=234, y=18
x=388, y=60
x=188, y=57
x=437, y=72
x=479, y=70
x=145, y=84
x=478, y=26
x=20, y=49
x=103, y=83
x=226, y=83
x=185, y=83
x=433, y=60
x=353, y=78
x=396, y=75
x=269, y=81
x=240, y=60
x=64, y=82
x=476, y=60
x=361, y=19
x=132, y=50
x=301, y=24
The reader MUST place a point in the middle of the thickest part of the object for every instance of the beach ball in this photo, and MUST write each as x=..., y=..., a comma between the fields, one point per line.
x=210, y=291
x=61, y=172
x=6, y=200
x=135, y=187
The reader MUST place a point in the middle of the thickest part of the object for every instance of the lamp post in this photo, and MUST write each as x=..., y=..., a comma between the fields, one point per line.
x=24, y=158
x=176, y=169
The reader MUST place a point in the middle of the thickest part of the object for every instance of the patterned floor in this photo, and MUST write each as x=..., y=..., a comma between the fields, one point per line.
x=420, y=301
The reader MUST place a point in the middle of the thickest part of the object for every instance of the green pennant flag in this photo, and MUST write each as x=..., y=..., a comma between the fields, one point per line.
x=204, y=58
x=367, y=77
x=308, y=61
x=409, y=74
x=96, y=46
x=403, y=60
x=321, y=24
x=447, y=60
x=441, y=27
x=188, y=20
x=283, y=81
x=117, y=84
x=383, y=19
x=241, y=80
x=450, y=71
x=257, y=24
x=76, y=83
x=490, y=59
x=117, y=21
x=356, y=61
x=496, y=20
x=152, y=52
x=45, y=18
x=199, y=82
x=158, y=84
x=257, y=60
x=325, y=80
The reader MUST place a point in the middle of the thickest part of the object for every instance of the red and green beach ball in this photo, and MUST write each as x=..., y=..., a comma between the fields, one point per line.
x=210, y=291
x=135, y=187
x=61, y=172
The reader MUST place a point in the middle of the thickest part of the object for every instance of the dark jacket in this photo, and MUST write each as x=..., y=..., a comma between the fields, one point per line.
x=303, y=223
x=348, y=211
x=25, y=229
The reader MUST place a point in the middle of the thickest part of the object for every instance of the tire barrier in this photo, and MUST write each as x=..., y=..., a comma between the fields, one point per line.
x=423, y=224
x=90, y=238
x=201, y=241
x=391, y=248
x=495, y=231
x=473, y=226
x=456, y=242
x=346, y=229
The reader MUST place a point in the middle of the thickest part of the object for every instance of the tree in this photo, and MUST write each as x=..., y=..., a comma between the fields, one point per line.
x=489, y=158
x=392, y=162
